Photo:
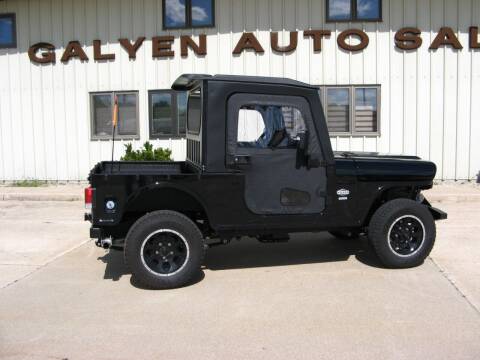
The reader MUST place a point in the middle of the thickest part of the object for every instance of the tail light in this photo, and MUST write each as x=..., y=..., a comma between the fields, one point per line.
x=88, y=197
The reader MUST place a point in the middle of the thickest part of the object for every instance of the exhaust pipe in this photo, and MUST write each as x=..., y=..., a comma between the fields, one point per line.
x=106, y=243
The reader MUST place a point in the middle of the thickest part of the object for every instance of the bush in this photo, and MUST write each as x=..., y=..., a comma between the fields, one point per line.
x=147, y=153
x=29, y=183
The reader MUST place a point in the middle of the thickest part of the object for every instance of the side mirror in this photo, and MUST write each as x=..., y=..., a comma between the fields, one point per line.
x=302, y=150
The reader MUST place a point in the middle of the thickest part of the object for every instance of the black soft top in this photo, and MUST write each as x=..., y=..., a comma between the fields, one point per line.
x=189, y=81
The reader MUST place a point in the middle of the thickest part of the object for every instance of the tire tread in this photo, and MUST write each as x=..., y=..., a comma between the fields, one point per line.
x=166, y=215
x=379, y=222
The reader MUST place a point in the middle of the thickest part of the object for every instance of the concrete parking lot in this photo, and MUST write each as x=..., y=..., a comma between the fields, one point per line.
x=312, y=298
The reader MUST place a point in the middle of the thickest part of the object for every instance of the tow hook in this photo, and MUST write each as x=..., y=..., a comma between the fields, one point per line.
x=104, y=243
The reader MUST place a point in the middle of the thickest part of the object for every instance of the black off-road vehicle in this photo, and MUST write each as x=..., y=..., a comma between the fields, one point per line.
x=259, y=164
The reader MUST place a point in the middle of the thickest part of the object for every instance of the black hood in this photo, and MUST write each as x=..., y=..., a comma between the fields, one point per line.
x=370, y=166
x=370, y=155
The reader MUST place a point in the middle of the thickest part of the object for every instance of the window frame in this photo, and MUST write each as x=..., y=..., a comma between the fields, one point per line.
x=353, y=13
x=175, y=112
x=13, y=44
x=118, y=136
x=352, y=107
x=188, y=17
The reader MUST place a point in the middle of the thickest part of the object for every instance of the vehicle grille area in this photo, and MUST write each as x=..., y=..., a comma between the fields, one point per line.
x=194, y=154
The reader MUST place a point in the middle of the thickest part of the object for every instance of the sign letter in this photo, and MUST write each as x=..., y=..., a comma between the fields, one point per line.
x=187, y=42
x=162, y=46
x=132, y=49
x=342, y=40
x=74, y=50
x=317, y=36
x=408, y=38
x=446, y=37
x=290, y=47
x=97, y=52
x=47, y=57
x=248, y=41
x=474, y=44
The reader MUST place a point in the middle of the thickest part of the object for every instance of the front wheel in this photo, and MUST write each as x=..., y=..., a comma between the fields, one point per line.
x=402, y=233
x=164, y=250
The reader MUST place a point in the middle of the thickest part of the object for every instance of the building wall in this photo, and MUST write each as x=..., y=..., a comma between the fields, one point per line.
x=429, y=99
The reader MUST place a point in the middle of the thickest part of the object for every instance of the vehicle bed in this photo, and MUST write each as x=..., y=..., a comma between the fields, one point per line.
x=143, y=168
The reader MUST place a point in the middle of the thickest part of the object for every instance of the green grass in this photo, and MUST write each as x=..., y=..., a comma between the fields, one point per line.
x=29, y=183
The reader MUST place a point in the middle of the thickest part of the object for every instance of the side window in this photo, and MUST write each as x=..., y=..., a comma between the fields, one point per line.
x=354, y=10
x=294, y=122
x=161, y=114
x=8, y=31
x=101, y=115
x=168, y=113
x=186, y=14
x=366, y=110
x=194, y=118
x=127, y=114
x=250, y=125
x=338, y=110
x=352, y=110
x=269, y=126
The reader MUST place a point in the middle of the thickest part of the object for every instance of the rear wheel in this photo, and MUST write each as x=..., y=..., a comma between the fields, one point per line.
x=164, y=249
x=402, y=233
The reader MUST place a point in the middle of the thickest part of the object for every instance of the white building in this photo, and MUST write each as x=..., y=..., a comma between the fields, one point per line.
x=55, y=108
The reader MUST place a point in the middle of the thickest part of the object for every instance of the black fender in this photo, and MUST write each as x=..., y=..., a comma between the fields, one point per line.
x=165, y=196
x=436, y=213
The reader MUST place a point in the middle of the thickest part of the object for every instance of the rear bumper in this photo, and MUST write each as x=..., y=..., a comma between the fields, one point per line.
x=438, y=214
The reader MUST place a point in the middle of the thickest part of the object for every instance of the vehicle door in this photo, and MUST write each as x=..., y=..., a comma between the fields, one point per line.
x=272, y=140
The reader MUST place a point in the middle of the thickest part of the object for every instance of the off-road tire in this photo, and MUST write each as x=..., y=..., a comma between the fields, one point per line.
x=149, y=224
x=384, y=219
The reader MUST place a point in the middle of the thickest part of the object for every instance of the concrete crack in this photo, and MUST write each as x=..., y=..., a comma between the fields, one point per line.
x=452, y=282
x=46, y=264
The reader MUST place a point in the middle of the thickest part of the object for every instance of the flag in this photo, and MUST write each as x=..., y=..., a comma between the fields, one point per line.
x=115, y=112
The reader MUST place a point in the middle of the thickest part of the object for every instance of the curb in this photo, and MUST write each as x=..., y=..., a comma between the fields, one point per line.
x=450, y=198
x=40, y=197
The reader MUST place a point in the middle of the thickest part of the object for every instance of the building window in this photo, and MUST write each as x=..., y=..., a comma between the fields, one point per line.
x=366, y=110
x=167, y=114
x=354, y=10
x=351, y=110
x=8, y=32
x=181, y=14
x=102, y=112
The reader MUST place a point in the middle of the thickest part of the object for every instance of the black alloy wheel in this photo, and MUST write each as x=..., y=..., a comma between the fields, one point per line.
x=406, y=235
x=165, y=252
x=164, y=249
x=402, y=233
